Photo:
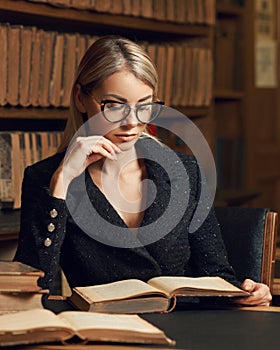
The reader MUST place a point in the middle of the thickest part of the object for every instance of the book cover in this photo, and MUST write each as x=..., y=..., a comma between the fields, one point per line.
x=6, y=190
x=4, y=63
x=26, y=40
x=19, y=301
x=68, y=68
x=18, y=277
x=13, y=64
x=35, y=68
x=56, y=71
x=46, y=60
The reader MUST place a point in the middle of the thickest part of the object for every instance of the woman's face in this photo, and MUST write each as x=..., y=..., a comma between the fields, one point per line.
x=119, y=87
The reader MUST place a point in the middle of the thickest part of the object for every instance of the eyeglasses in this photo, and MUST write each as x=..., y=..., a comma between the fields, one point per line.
x=116, y=111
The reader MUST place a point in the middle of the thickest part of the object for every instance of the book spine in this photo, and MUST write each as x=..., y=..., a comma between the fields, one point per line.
x=4, y=63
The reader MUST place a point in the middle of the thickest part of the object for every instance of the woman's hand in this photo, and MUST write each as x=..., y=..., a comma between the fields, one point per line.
x=82, y=152
x=261, y=295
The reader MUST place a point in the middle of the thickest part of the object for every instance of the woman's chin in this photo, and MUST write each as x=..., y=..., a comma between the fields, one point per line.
x=126, y=146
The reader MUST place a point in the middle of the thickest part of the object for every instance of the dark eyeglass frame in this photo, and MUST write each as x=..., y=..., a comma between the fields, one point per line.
x=137, y=107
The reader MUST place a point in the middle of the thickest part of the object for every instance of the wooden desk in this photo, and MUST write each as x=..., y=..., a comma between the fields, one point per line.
x=219, y=329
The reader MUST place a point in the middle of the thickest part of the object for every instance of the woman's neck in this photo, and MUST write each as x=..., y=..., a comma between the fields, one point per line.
x=126, y=161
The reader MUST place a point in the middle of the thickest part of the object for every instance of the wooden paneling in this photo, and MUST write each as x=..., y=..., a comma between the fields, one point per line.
x=262, y=124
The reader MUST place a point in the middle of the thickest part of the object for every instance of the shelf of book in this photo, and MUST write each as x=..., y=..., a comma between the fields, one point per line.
x=33, y=113
x=72, y=18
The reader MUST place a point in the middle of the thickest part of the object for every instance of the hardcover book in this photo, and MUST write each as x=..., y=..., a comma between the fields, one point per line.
x=18, y=277
x=43, y=326
x=157, y=295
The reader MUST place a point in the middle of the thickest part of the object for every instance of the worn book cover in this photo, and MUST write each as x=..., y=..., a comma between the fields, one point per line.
x=18, y=277
x=19, y=301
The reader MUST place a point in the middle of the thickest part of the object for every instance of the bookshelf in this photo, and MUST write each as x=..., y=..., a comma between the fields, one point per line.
x=247, y=111
x=141, y=26
x=229, y=96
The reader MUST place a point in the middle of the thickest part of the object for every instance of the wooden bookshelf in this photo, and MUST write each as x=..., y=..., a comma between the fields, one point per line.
x=241, y=108
x=229, y=95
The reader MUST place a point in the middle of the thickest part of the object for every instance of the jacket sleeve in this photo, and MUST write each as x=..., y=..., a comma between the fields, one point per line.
x=42, y=226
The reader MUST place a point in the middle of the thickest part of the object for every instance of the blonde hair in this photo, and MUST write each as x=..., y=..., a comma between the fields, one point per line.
x=106, y=56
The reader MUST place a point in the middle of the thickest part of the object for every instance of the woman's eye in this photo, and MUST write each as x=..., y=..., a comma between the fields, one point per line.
x=144, y=107
x=113, y=105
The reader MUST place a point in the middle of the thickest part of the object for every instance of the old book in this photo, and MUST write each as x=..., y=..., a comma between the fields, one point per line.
x=159, y=9
x=19, y=301
x=9, y=170
x=26, y=40
x=161, y=68
x=81, y=4
x=170, y=10
x=69, y=66
x=147, y=9
x=47, y=44
x=57, y=67
x=127, y=7
x=4, y=63
x=168, y=86
x=43, y=326
x=6, y=193
x=136, y=8
x=13, y=64
x=35, y=68
x=116, y=7
x=80, y=48
x=102, y=5
x=157, y=295
x=18, y=277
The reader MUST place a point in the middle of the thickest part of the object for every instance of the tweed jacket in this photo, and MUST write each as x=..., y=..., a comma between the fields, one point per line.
x=54, y=236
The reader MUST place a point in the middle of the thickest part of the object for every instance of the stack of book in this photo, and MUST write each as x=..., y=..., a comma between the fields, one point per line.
x=19, y=289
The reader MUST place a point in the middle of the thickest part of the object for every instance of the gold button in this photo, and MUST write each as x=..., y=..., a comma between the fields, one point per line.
x=51, y=227
x=53, y=213
x=47, y=242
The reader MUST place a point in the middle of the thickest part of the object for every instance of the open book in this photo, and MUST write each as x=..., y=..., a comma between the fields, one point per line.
x=43, y=326
x=157, y=295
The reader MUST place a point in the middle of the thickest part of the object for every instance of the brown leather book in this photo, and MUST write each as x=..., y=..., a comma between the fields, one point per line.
x=26, y=41
x=4, y=63
x=13, y=64
x=18, y=277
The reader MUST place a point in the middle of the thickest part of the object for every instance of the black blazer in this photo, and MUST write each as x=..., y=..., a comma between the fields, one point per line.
x=93, y=252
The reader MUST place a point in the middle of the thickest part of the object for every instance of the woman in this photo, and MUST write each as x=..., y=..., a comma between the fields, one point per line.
x=91, y=233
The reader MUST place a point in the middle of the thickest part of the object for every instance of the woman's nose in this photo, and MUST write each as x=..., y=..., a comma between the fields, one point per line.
x=131, y=119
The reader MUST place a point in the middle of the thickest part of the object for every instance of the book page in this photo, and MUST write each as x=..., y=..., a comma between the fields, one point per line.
x=116, y=290
x=31, y=319
x=172, y=283
x=80, y=320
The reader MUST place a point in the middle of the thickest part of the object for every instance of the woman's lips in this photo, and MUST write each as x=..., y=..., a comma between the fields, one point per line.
x=126, y=137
